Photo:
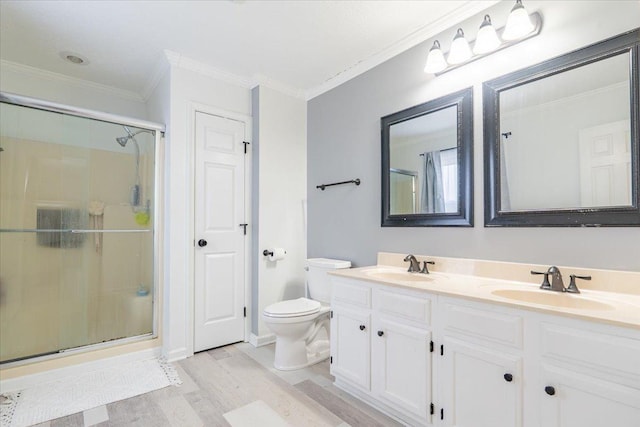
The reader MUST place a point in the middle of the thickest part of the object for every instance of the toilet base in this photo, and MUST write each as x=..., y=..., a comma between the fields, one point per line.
x=297, y=355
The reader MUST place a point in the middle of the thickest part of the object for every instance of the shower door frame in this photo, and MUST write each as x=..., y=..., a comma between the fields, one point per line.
x=159, y=130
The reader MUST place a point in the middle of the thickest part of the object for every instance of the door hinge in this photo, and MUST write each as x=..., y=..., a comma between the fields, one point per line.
x=442, y=414
x=331, y=314
x=432, y=410
x=245, y=228
x=245, y=146
x=430, y=346
x=442, y=350
x=331, y=359
x=245, y=312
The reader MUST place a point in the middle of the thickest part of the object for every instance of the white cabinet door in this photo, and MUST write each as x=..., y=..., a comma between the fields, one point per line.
x=479, y=387
x=350, y=345
x=569, y=399
x=401, y=367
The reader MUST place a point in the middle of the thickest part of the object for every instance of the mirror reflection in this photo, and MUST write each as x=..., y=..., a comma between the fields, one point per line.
x=565, y=140
x=423, y=159
x=426, y=167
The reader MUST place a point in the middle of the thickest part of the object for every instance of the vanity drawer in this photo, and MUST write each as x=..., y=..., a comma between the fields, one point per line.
x=347, y=293
x=393, y=304
x=483, y=322
x=617, y=355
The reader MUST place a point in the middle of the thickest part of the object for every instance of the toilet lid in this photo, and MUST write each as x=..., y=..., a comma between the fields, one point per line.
x=292, y=307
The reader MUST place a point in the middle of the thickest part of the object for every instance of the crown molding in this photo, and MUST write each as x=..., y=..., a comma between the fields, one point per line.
x=178, y=60
x=261, y=80
x=74, y=81
x=158, y=72
x=465, y=11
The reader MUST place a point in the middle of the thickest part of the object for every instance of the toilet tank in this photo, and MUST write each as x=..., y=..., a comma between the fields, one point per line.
x=318, y=282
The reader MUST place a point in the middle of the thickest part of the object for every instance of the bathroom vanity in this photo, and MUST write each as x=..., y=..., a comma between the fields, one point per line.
x=477, y=343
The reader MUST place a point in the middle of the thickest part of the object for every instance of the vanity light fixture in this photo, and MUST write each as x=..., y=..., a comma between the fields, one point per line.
x=487, y=39
x=460, y=51
x=435, y=59
x=520, y=26
x=518, y=23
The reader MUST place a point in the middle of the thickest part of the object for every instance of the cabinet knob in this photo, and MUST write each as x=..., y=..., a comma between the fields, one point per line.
x=508, y=377
x=380, y=333
x=202, y=243
x=550, y=390
x=362, y=327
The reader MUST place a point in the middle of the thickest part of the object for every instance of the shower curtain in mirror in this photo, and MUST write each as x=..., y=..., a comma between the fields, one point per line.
x=432, y=191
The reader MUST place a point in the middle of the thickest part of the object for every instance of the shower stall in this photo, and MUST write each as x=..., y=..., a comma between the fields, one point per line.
x=78, y=220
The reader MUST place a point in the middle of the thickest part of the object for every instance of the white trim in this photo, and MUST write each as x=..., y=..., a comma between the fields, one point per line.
x=178, y=353
x=465, y=11
x=248, y=121
x=57, y=77
x=20, y=383
x=161, y=68
x=178, y=60
x=261, y=80
x=259, y=341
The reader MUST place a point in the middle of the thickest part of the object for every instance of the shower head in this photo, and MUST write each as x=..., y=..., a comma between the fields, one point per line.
x=130, y=135
x=123, y=140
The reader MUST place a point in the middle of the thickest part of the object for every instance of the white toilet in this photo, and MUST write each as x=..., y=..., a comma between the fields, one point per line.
x=301, y=326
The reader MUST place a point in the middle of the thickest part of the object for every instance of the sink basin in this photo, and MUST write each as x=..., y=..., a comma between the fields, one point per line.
x=398, y=276
x=554, y=299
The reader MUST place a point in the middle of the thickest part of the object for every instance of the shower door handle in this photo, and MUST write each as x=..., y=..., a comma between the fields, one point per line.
x=202, y=243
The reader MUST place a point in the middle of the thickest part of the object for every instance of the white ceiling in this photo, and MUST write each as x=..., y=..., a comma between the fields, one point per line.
x=304, y=47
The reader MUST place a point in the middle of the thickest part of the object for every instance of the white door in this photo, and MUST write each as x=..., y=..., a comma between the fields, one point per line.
x=401, y=366
x=480, y=387
x=350, y=350
x=605, y=165
x=219, y=236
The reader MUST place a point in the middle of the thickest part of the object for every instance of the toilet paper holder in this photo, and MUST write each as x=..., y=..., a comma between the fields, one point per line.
x=274, y=254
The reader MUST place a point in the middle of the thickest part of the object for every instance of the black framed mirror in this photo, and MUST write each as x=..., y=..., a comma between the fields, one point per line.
x=427, y=163
x=561, y=140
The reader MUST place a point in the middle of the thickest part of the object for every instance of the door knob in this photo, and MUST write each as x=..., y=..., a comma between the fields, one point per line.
x=380, y=333
x=508, y=377
x=550, y=390
x=202, y=243
x=362, y=327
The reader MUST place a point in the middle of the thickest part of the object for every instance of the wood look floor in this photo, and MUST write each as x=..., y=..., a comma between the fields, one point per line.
x=238, y=378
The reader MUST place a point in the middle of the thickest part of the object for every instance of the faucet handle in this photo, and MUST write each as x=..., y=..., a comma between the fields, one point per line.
x=572, y=284
x=425, y=270
x=545, y=282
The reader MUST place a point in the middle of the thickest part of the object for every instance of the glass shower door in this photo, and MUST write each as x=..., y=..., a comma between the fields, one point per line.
x=76, y=232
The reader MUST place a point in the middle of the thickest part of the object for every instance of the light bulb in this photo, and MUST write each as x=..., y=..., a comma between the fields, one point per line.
x=435, y=59
x=518, y=23
x=460, y=50
x=487, y=39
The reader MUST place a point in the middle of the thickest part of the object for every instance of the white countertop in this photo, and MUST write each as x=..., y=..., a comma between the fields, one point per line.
x=621, y=309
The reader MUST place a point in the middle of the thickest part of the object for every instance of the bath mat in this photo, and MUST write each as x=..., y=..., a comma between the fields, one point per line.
x=68, y=396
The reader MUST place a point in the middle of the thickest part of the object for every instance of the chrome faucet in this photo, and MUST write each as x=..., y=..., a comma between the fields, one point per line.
x=557, y=284
x=425, y=270
x=414, y=265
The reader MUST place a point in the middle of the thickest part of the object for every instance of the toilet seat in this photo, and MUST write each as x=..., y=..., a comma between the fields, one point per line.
x=292, y=308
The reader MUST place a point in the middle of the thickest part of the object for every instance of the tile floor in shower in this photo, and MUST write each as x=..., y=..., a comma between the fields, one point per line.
x=236, y=386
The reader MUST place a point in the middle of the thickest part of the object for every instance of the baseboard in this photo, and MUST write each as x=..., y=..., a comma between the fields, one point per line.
x=259, y=341
x=19, y=383
x=176, y=354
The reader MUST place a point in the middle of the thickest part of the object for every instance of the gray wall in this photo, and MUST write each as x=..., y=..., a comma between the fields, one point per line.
x=344, y=143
